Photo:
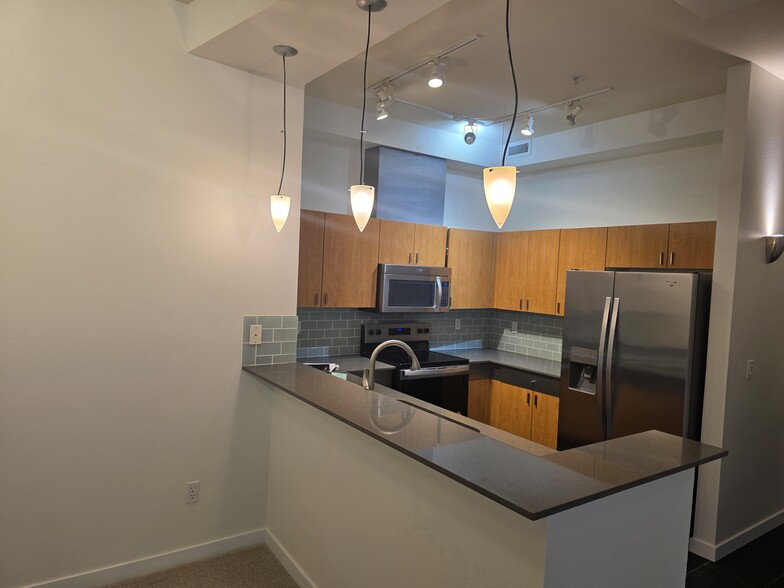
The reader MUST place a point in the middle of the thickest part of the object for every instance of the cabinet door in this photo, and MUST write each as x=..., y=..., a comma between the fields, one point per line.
x=511, y=270
x=396, y=242
x=510, y=408
x=471, y=260
x=691, y=245
x=311, y=256
x=350, y=262
x=637, y=246
x=430, y=245
x=542, y=279
x=583, y=249
x=544, y=420
x=479, y=400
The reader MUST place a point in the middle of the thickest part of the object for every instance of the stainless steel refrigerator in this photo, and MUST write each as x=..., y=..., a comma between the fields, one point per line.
x=633, y=358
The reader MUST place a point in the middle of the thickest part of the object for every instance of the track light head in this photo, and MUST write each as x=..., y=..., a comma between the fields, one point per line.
x=469, y=132
x=528, y=125
x=435, y=74
x=571, y=111
x=384, y=95
x=381, y=111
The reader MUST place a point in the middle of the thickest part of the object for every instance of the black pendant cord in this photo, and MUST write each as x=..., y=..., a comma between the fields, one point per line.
x=283, y=167
x=514, y=81
x=364, y=105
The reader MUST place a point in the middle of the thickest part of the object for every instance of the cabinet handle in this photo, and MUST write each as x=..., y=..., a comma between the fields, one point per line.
x=672, y=258
x=417, y=258
x=661, y=257
x=528, y=399
x=526, y=303
x=409, y=258
x=326, y=298
x=536, y=397
x=521, y=304
x=557, y=308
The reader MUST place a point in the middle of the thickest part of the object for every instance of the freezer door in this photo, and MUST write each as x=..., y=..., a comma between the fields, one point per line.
x=650, y=355
x=586, y=311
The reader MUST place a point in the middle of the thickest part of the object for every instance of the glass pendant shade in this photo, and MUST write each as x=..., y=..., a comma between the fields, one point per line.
x=279, y=208
x=362, y=204
x=500, y=183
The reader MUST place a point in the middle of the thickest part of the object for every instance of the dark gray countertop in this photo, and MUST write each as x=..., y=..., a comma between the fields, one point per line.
x=534, y=486
x=536, y=365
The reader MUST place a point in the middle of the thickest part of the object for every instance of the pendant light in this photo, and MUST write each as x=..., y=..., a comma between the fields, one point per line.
x=500, y=182
x=362, y=195
x=280, y=204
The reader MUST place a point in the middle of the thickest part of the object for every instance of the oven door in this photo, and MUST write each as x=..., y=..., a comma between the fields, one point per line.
x=446, y=387
x=407, y=293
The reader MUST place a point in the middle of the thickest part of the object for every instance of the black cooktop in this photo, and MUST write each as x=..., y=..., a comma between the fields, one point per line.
x=399, y=358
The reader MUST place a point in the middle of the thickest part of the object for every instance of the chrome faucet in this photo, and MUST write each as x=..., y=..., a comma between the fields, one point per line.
x=369, y=375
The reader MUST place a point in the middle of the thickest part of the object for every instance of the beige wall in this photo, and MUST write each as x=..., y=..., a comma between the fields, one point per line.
x=744, y=495
x=134, y=235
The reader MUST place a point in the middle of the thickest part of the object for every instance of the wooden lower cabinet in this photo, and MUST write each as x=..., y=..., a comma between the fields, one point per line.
x=520, y=411
x=544, y=420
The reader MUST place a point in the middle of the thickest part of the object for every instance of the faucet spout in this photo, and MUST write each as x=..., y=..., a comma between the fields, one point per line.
x=369, y=375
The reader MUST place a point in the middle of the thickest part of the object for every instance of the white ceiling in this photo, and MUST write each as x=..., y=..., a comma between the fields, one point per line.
x=652, y=52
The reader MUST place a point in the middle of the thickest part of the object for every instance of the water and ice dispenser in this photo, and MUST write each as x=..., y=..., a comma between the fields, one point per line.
x=582, y=369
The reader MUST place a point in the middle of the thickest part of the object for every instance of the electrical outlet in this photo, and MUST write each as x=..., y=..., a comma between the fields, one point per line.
x=457, y=324
x=750, y=369
x=192, y=492
x=255, y=335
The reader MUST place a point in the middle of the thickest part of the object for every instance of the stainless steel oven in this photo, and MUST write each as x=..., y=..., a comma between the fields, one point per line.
x=411, y=288
x=442, y=379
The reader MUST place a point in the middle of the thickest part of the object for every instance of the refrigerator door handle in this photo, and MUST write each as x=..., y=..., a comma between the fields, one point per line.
x=608, y=368
x=600, y=360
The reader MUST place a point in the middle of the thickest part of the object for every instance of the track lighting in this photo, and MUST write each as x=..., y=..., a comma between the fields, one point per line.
x=435, y=74
x=381, y=111
x=469, y=132
x=571, y=111
x=528, y=125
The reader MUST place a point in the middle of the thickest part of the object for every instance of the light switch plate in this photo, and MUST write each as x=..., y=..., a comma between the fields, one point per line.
x=255, y=335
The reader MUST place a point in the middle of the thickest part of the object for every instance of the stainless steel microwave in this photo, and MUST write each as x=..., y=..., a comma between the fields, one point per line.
x=411, y=288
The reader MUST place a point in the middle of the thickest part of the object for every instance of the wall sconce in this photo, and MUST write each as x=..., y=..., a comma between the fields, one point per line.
x=774, y=247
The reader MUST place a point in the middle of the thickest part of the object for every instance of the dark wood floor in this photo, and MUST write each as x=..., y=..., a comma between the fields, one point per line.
x=760, y=564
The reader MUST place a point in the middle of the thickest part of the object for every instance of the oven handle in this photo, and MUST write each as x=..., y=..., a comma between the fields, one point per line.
x=434, y=372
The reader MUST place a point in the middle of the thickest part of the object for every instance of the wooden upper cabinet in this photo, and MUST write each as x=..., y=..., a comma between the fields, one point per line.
x=430, y=245
x=691, y=245
x=396, y=242
x=471, y=260
x=637, y=246
x=350, y=262
x=583, y=249
x=511, y=269
x=542, y=274
x=411, y=244
x=311, y=255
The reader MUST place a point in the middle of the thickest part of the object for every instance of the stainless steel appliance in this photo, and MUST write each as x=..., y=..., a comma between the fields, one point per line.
x=442, y=379
x=633, y=355
x=411, y=288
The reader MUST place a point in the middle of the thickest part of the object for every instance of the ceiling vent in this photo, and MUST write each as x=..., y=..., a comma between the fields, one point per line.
x=519, y=150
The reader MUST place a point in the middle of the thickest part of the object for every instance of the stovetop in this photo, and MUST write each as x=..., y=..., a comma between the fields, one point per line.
x=399, y=358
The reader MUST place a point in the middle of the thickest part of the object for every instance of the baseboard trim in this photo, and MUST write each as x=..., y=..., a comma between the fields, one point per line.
x=716, y=552
x=156, y=563
x=288, y=562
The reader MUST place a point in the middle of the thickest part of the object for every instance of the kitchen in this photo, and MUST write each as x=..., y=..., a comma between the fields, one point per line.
x=146, y=150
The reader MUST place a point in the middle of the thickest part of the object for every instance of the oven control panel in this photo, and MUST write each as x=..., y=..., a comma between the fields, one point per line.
x=380, y=332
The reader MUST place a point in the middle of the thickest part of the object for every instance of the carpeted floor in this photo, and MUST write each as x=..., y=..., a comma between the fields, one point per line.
x=254, y=567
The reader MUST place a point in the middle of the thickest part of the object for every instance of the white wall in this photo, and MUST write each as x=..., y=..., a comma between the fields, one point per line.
x=134, y=235
x=744, y=495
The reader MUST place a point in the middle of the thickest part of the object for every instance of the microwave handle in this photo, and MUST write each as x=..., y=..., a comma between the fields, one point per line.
x=439, y=293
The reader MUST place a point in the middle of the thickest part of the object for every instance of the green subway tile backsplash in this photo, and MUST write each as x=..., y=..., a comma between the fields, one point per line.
x=337, y=331
x=278, y=340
